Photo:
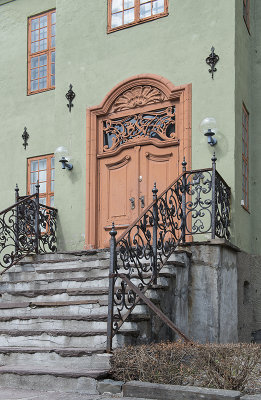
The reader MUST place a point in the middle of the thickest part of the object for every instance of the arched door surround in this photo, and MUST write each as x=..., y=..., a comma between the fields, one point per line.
x=138, y=134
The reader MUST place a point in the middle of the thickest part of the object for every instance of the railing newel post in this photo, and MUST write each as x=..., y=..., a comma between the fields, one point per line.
x=37, y=228
x=155, y=233
x=112, y=270
x=183, y=206
x=16, y=219
x=213, y=183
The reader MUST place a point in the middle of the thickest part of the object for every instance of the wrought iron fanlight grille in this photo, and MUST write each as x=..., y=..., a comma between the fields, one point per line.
x=156, y=124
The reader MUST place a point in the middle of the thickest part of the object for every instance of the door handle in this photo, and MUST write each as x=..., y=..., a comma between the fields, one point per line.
x=132, y=200
x=142, y=201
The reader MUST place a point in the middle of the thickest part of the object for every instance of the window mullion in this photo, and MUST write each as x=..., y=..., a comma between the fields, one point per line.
x=137, y=10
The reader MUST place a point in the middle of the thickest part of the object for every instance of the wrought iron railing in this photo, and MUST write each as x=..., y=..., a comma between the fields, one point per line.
x=197, y=202
x=27, y=227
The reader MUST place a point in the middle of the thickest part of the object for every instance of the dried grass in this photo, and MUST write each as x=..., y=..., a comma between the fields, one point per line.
x=223, y=366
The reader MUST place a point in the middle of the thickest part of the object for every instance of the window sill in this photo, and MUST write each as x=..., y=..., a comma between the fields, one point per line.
x=141, y=21
x=39, y=91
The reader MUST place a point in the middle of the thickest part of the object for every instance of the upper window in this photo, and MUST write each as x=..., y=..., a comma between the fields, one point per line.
x=124, y=13
x=41, y=52
x=245, y=172
x=246, y=15
x=41, y=169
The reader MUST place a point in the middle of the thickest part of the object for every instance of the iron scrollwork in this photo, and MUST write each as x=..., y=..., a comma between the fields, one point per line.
x=196, y=202
x=158, y=125
x=47, y=225
x=222, y=207
x=211, y=60
x=70, y=95
x=199, y=202
x=26, y=228
x=17, y=232
x=25, y=137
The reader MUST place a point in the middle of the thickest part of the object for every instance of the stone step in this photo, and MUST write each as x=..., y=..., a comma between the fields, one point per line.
x=55, y=357
x=62, y=309
x=62, y=266
x=88, y=293
x=81, y=380
x=69, y=283
x=90, y=273
x=67, y=338
x=77, y=273
x=92, y=323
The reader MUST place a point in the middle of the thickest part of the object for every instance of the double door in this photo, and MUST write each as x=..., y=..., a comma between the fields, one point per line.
x=126, y=183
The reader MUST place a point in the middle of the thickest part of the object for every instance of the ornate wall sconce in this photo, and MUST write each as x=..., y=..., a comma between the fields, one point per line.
x=70, y=95
x=62, y=154
x=211, y=60
x=25, y=137
x=208, y=127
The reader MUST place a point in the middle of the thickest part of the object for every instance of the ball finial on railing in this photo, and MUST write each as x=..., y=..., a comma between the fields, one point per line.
x=214, y=158
x=154, y=191
x=184, y=164
x=113, y=231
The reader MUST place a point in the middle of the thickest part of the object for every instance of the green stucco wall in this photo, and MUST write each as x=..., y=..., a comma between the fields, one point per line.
x=94, y=62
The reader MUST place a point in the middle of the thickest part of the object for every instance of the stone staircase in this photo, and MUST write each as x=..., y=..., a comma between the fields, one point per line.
x=53, y=313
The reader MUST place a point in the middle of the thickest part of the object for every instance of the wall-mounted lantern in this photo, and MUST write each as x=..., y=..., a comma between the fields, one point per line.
x=208, y=127
x=62, y=154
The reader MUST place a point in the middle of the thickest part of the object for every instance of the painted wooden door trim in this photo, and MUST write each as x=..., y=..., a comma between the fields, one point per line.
x=137, y=91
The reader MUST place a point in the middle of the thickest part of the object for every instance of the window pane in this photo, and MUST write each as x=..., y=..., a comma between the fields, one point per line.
x=52, y=80
x=53, y=56
x=158, y=7
x=42, y=188
x=53, y=18
x=53, y=30
x=43, y=60
x=34, y=62
x=43, y=33
x=128, y=4
x=42, y=83
x=34, y=85
x=129, y=16
x=43, y=44
x=34, y=73
x=52, y=201
x=35, y=47
x=116, y=20
x=42, y=163
x=34, y=36
x=52, y=186
x=35, y=24
x=32, y=189
x=52, y=162
x=43, y=21
x=145, y=10
x=53, y=41
x=42, y=71
x=42, y=176
x=34, y=166
x=116, y=6
x=53, y=69
x=34, y=177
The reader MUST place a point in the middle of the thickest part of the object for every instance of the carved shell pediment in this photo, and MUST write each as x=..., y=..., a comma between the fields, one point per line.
x=137, y=97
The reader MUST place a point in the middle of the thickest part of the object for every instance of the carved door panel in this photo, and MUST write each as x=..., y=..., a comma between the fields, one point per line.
x=160, y=165
x=118, y=193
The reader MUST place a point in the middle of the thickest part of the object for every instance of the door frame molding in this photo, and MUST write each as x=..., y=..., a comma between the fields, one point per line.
x=124, y=97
